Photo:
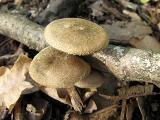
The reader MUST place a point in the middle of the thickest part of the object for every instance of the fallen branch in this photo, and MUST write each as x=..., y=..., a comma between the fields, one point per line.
x=21, y=29
x=124, y=63
x=131, y=64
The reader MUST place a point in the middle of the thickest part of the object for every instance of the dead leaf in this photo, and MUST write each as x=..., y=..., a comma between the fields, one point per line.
x=34, y=108
x=124, y=31
x=57, y=94
x=158, y=25
x=104, y=114
x=5, y=1
x=134, y=16
x=147, y=43
x=96, y=8
x=154, y=14
x=123, y=110
x=18, y=2
x=13, y=82
x=102, y=102
x=75, y=98
x=101, y=7
x=64, y=95
x=33, y=113
x=90, y=107
x=130, y=109
x=72, y=115
x=3, y=111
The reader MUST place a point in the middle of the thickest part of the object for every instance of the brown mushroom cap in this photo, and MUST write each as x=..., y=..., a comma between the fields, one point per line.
x=52, y=68
x=94, y=80
x=76, y=36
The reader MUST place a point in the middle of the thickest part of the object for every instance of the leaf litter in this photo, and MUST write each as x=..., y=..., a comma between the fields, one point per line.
x=13, y=82
x=125, y=26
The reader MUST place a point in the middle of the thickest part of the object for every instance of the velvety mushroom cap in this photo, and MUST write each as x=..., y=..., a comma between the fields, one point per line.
x=94, y=80
x=76, y=36
x=52, y=68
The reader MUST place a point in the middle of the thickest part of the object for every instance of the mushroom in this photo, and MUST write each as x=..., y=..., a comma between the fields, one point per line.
x=52, y=68
x=93, y=81
x=76, y=36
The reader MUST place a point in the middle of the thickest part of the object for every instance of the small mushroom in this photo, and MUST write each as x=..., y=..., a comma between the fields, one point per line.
x=55, y=69
x=76, y=36
x=93, y=81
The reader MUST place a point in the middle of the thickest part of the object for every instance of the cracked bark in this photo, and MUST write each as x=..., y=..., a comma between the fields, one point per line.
x=131, y=64
x=125, y=63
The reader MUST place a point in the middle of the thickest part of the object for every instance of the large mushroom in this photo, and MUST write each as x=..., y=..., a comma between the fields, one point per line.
x=52, y=68
x=76, y=36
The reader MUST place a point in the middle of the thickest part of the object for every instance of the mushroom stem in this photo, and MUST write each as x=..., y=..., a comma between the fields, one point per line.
x=75, y=99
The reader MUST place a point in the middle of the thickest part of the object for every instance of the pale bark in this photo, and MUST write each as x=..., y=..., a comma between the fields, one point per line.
x=131, y=64
x=23, y=30
x=124, y=63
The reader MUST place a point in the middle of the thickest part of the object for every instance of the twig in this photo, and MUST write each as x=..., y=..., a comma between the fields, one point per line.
x=8, y=56
x=123, y=111
x=3, y=43
x=140, y=102
x=124, y=63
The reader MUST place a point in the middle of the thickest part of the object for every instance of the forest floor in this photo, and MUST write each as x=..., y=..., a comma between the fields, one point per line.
x=130, y=23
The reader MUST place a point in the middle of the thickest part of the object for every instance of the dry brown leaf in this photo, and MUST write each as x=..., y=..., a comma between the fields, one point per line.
x=153, y=14
x=130, y=109
x=158, y=25
x=104, y=114
x=13, y=82
x=4, y=1
x=134, y=16
x=34, y=109
x=18, y=2
x=61, y=94
x=58, y=94
x=147, y=43
x=75, y=98
x=123, y=110
x=96, y=8
x=90, y=107
x=3, y=111
x=125, y=31
x=102, y=102
x=72, y=115
x=101, y=7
